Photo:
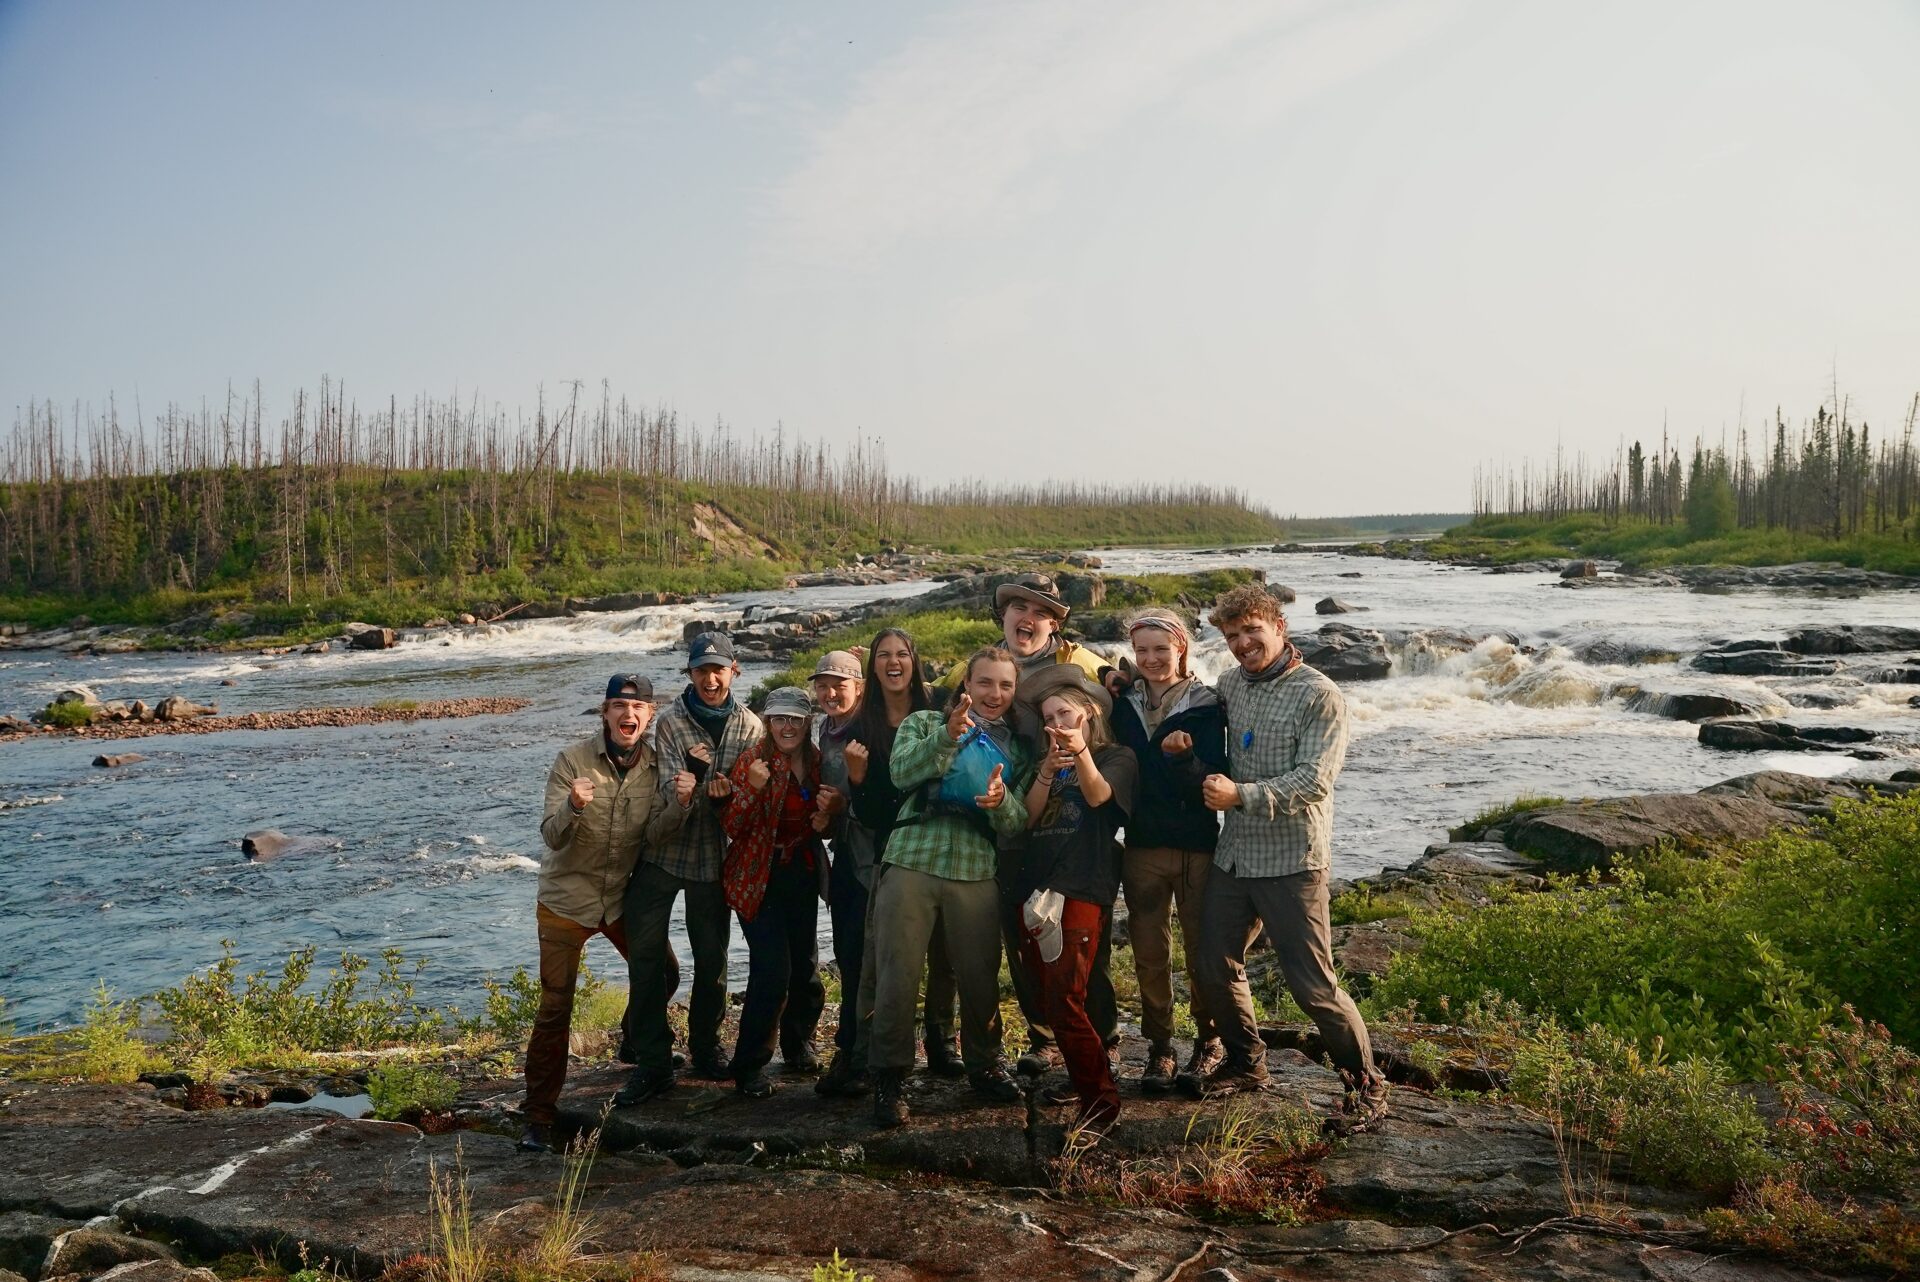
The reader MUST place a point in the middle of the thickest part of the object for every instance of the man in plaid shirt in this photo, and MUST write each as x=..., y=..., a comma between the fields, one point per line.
x=697, y=738
x=1286, y=741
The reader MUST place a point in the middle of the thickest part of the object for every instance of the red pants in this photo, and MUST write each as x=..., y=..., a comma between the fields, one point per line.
x=1065, y=983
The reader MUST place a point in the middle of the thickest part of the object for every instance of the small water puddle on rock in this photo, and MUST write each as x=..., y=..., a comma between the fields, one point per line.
x=345, y=1105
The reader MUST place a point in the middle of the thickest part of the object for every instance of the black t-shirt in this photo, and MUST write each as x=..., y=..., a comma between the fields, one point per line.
x=1072, y=849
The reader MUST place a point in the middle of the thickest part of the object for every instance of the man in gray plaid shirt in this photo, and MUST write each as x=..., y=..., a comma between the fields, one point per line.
x=1286, y=741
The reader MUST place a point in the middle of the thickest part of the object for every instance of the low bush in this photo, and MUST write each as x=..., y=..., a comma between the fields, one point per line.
x=109, y=1044
x=1852, y=1105
x=404, y=1092
x=68, y=716
x=258, y=1014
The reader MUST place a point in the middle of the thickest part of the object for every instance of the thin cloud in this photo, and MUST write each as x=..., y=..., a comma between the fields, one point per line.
x=961, y=127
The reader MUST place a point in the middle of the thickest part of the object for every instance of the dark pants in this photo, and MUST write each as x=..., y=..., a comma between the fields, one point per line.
x=847, y=910
x=1102, y=1007
x=649, y=905
x=784, y=992
x=1064, y=982
x=561, y=942
x=1294, y=910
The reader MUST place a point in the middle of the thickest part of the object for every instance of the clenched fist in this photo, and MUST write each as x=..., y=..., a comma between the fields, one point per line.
x=758, y=772
x=719, y=787
x=1219, y=792
x=1177, y=744
x=683, y=785
x=856, y=762
x=580, y=795
x=829, y=801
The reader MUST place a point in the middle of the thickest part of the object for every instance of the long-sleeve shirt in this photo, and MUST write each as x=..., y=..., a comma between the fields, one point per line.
x=690, y=843
x=937, y=840
x=1286, y=742
x=851, y=836
x=591, y=852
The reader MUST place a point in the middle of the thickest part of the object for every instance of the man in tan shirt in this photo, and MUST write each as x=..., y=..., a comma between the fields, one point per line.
x=601, y=793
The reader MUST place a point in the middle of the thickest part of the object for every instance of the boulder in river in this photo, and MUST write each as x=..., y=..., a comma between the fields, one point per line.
x=1334, y=605
x=1689, y=705
x=1347, y=653
x=1763, y=663
x=1779, y=736
x=82, y=695
x=1848, y=638
x=268, y=844
x=114, y=760
x=1581, y=570
x=1903, y=674
x=365, y=636
x=179, y=708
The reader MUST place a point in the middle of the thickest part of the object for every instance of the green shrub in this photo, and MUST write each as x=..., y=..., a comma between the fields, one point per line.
x=69, y=715
x=1675, y=1122
x=1852, y=1104
x=258, y=1015
x=109, y=1042
x=1497, y=815
x=403, y=1091
x=838, y=1270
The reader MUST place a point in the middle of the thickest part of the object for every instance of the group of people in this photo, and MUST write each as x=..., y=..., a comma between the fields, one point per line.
x=1001, y=813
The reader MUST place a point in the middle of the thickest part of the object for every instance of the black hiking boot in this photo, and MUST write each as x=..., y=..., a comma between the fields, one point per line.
x=889, y=1097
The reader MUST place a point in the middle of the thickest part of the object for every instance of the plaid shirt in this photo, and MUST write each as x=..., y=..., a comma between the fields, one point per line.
x=1286, y=740
x=686, y=840
x=945, y=844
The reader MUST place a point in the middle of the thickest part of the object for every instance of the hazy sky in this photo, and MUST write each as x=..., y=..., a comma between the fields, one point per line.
x=1335, y=253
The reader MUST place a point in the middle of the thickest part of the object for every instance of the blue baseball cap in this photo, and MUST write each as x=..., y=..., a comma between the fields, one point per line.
x=710, y=650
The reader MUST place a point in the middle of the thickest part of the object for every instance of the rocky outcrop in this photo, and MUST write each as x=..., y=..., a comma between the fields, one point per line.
x=1779, y=736
x=180, y=708
x=1802, y=574
x=1763, y=663
x=1847, y=638
x=268, y=844
x=1592, y=834
x=366, y=636
x=114, y=760
x=1334, y=605
x=1905, y=674
x=1581, y=570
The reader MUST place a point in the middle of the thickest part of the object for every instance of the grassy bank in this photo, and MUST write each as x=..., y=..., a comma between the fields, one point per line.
x=1504, y=540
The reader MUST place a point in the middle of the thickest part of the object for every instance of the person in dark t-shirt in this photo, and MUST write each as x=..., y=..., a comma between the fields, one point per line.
x=1076, y=806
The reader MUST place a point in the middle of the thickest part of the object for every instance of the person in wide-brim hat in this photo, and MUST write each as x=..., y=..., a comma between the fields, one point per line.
x=1037, y=588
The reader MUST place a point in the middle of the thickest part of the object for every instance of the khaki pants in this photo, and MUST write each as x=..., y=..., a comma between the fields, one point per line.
x=1157, y=878
x=909, y=906
x=1294, y=909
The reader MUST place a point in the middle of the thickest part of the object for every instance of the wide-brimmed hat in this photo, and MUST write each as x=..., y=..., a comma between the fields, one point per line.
x=1037, y=588
x=788, y=701
x=838, y=663
x=1056, y=677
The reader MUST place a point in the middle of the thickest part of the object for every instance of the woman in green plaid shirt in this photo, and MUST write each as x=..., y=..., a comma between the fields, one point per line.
x=938, y=874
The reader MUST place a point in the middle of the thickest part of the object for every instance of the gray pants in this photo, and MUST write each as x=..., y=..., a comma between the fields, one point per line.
x=936, y=1023
x=1294, y=909
x=908, y=907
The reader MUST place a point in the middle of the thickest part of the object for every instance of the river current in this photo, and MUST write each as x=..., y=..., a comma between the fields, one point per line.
x=134, y=876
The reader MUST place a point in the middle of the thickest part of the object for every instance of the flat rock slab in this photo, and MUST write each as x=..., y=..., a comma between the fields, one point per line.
x=78, y=1151
x=1586, y=835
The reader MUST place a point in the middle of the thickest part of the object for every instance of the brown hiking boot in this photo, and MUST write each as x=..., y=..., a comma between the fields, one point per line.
x=1206, y=1057
x=1231, y=1076
x=1157, y=1075
x=889, y=1097
x=1360, y=1110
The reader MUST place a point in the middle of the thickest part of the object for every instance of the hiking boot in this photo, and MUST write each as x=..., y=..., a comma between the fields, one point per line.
x=759, y=1086
x=537, y=1138
x=1038, y=1060
x=889, y=1097
x=642, y=1085
x=713, y=1065
x=1058, y=1094
x=802, y=1059
x=843, y=1078
x=944, y=1061
x=1206, y=1057
x=1230, y=1077
x=995, y=1082
x=1156, y=1076
x=1360, y=1110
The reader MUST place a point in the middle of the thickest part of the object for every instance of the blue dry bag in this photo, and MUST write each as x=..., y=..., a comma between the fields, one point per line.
x=972, y=767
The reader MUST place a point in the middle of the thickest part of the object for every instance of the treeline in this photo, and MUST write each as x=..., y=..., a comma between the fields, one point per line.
x=1828, y=477
x=333, y=499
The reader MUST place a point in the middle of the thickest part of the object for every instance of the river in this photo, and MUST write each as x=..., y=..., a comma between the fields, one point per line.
x=134, y=876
